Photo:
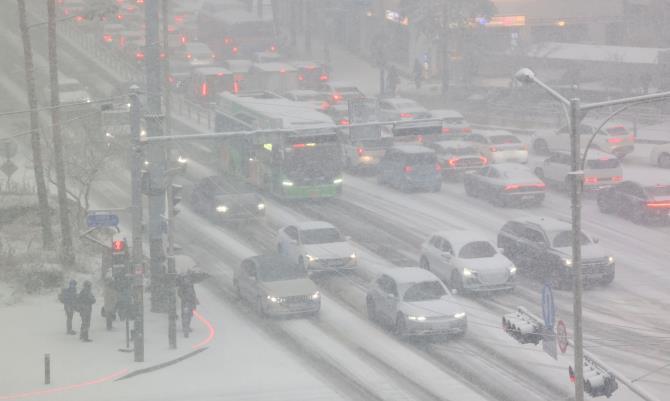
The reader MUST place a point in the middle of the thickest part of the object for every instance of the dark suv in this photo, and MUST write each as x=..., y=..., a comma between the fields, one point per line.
x=541, y=247
x=409, y=167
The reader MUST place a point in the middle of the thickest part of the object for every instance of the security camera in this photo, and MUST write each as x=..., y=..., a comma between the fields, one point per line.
x=525, y=76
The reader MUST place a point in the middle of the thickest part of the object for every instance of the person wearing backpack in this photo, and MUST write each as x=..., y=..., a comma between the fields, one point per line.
x=85, y=301
x=68, y=297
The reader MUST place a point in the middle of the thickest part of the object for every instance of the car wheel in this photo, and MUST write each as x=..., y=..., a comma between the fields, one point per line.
x=372, y=310
x=638, y=215
x=424, y=264
x=456, y=282
x=664, y=160
x=540, y=147
x=400, y=326
x=608, y=278
x=260, y=308
x=539, y=172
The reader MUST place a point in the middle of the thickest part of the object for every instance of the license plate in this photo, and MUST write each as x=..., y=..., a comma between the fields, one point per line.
x=527, y=197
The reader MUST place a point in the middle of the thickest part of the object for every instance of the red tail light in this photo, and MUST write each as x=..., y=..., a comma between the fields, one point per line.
x=139, y=56
x=590, y=180
x=107, y=38
x=235, y=50
x=484, y=160
x=540, y=185
x=79, y=18
x=227, y=41
x=438, y=167
x=337, y=97
x=408, y=169
x=614, y=140
x=493, y=149
x=301, y=77
x=273, y=48
x=658, y=205
x=617, y=178
x=189, y=56
x=203, y=89
x=236, y=87
x=183, y=39
x=119, y=17
x=453, y=162
x=511, y=187
x=360, y=151
x=298, y=145
x=445, y=130
x=467, y=130
x=179, y=19
x=419, y=138
x=344, y=121
x=325, y=106
x=406, y=115
x=323, y=77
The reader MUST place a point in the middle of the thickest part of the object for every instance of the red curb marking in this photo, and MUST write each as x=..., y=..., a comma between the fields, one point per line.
x=65, y=388
x=209, y=326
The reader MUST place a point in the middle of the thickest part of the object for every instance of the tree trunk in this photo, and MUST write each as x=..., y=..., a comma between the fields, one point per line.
x=38, y=167
x=68, y=258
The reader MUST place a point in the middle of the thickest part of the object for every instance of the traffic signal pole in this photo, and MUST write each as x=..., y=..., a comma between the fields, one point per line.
x=136, y=212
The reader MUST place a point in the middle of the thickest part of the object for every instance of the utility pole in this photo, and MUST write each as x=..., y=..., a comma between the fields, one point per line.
x=444, y=48
x=308, y=26
x=156, y=158
x=136, y=213
x=68, y=258
x=576, y=203
x=38, y=167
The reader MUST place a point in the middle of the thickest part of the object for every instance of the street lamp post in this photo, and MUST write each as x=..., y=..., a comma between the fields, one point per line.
x=577, y=111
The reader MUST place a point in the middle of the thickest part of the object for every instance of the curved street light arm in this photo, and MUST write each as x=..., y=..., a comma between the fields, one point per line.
x=602, y=124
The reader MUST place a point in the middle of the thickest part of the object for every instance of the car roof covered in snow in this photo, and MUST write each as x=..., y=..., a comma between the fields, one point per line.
x=548, y=224
x=592, y=155
x=446, y=113
x=455, y=144
x=410, y=275
x=313, y=225
x=415, y=149
x=460, y=238
x=273, y=66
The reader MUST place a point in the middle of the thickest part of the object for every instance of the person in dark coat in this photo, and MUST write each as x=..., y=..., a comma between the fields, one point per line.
x=392, y=80
x=85, y=301
x=418, y=73
x=189, y=300
x=68, y=297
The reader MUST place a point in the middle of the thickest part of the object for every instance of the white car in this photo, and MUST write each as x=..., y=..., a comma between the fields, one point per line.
x=316, y=245
x=612, y=138
x=660, y=155
x=318, y=100
x=398, y=108
x=415, y=302
x=600, y=170
x=467, y=261
x=499, y=146
x=454, y=124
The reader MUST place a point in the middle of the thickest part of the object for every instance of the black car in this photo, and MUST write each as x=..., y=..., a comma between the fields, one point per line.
x=542, y=247
x=640, y=203
x=227, y=199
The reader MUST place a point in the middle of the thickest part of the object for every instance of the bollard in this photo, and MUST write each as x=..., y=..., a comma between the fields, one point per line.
x=47, y=369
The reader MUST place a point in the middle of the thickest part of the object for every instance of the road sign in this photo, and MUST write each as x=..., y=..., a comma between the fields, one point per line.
x=102, y=219
x=548, y=308
x=562, y=336
x=9, y=168
x=549, y=342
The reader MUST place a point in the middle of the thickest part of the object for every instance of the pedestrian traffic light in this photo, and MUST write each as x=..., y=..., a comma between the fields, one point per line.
x=523, y=327
x=175, y=192
x=120, y=258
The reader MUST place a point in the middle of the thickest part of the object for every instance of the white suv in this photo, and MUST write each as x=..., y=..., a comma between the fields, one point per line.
x=317, y=246
x=612, y=138
x=600, y=170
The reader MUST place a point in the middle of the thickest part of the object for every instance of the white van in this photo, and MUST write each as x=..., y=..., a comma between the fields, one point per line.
x=600, y=170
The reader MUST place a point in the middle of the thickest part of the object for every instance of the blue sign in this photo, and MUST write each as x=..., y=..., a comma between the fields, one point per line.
x=548, y=308
x=102, y=220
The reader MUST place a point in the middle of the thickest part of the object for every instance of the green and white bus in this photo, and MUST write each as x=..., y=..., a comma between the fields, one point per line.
x=301, y=164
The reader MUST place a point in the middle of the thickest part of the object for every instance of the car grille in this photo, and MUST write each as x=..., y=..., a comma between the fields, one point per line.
x=297, y=299
x=338, y=262
x=493, y=278
x=600, y=266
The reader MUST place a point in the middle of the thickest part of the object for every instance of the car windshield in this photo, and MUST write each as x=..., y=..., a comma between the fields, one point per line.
x=603, y=163
x=477, y=249
x=503, y=139
x=617, y=131
x=281, y=271
x=320, y=236
x=564, y=239
x=658, y=190
x=424, y=291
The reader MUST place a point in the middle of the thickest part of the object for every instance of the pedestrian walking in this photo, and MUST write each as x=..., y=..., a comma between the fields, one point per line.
x=418, y=73
x=68, y=297
x=392, y=80
x=85, y=301
x=188, y=298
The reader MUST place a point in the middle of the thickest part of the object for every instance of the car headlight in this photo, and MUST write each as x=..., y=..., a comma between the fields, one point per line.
x=222, y=209
x=311, y=258
x=512, y=269
x=287, y=183
x=567, y=262
x=337, y=181
x=610, y=260
x=261, y=206
x=467, y=272
x=460, y=315
x=417, y=318
x=182, y=160
x=353, y=255
x=316, y=296
x=275, y=300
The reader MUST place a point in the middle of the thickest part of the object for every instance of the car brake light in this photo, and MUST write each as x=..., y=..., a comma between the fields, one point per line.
x=179, y=19
x=203, y=89
x=438, y=167
x=453, y=162
x=227, y=41
x=658, y=205
x=273, y=48
x=301, y=77
x=408, y=169
x=323, y=77
x=107, y=38
x=445, y=130
x=236, y=87
x=419, y=138
x=325, y=106
x=590, y=180
x=617, y=178
x=139, y=56
x=511, y=187
x=540, y=185
x=406, y=115
x=493, y=149
x=183, y=39
x=484, y=160
x=119, y=17
x=614, y=140
x=189, y=56
x=79, y=18
x=235, y=50
x=360, y=151
x=344, y=121
x=467, y=129
x=337, y=97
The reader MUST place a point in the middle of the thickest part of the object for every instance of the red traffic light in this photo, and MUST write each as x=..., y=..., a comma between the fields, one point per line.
x=571, y=373
x=118, y=245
